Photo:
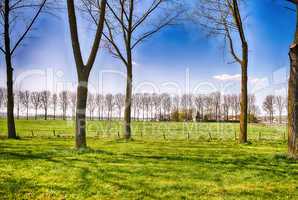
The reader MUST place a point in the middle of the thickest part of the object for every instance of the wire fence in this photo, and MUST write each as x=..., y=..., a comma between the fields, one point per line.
x=162, y=131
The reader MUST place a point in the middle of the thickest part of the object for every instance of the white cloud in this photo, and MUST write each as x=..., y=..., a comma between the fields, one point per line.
x=227, y=77
x=135, y=63
x=255, y=84
x=258, y=84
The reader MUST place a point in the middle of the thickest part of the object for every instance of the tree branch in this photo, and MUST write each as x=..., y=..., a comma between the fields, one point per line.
x=74, y=35
x=29, y=27
x=98, y=35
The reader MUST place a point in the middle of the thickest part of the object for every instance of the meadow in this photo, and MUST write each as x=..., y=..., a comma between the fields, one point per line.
x=165, y=160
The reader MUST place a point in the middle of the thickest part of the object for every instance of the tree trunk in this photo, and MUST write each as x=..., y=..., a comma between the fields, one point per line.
x=143, y=112
x=82, y=93
x=10, y=101
x=99, y=114
x=9, y=73
x=18, y=111
x=243, y=102
x=54, y=113
x=45, y=113
x=292, y=99
x=27, y=112
x=127, y=111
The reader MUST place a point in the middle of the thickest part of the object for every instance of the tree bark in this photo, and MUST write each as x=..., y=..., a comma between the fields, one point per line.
x=45, y=113
x=99, y=114
x=27, y=112
x=9, y=73
x=35, y=116
x=243, y=103
x=54, y=113
x=83, y=70
x=82, y=93
x=292, y=102
x=127, y=111
x=10, y=100
x=18, y=111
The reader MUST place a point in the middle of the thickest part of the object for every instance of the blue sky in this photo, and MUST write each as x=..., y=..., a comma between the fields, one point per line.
x=176, y=60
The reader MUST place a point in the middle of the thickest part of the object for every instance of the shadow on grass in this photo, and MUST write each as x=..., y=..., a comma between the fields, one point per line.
x=88, y=164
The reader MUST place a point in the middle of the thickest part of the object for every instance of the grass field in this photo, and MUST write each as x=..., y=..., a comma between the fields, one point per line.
x=149, y=167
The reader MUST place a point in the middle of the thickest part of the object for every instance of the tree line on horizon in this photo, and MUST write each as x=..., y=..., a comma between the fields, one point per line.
x=120, y=27
x=145, y=106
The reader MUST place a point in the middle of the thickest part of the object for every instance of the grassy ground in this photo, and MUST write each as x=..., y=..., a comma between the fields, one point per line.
x=146, y=168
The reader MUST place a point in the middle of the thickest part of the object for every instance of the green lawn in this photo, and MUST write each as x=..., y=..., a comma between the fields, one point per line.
x=149, y=167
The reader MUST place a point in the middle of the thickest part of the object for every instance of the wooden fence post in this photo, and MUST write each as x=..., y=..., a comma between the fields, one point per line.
x=188, y=136
x=32, y=133
x=210, y=136
x=260, y=136
x=54, y=133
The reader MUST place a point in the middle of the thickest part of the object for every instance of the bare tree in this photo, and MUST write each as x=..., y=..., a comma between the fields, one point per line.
x=54, y=103
x=251, y=104
x=227, y=104
x=166, y=104
x=109, y=102
x=25, y=101
x=216, y=100
x=280, y=103
x=186, y=104
x=151, y=106
x=17, y=102
x=83, y=70
x=73, y=102
x=209, y=106
x=64, y=103
x=146, y=104
x=128, y=24
x=99, y=100
x=45, y=102
x=35, y=101
x=223, y=17
x=176, y=103
x=268, y=106
x=119, y=102
x=91, y=104
x=156, y=99
x=137, y=103
x=2, y=97
x=199, y=103
x=235, y=104
x=133, y=105
x=16, y=15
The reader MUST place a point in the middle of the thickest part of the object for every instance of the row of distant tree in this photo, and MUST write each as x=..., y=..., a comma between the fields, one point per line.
x=121, y=26
x=145, y=106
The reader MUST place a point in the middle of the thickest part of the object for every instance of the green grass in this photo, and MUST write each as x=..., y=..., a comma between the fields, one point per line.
x=146, y=168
